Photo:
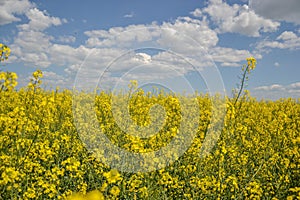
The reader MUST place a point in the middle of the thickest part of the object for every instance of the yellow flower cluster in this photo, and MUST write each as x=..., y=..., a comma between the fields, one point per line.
x=4, y=52
x=93, y=195
x=257, y=155
x=112, y=176
x=251, y=62
x=8, y=80
x=35, y=81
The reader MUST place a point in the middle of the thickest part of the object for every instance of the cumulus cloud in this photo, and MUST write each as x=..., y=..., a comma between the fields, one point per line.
x=197, y=12
x=11, y=9
x=229, y=56
x=276, y=91
x=31, y=44
x=143, y=57
x=287, y=35
x=66, y=55
x=270, y=87
x=121, y=36
x=189, y=37
x=295, y=85
x=39, y=20
x=67, y=39
x=185, y=35
x=184, y=45
x=286, y=40
x=53, y=79
x=236, y=18
x=287, y=10
x=31, y=48
x=191, y=33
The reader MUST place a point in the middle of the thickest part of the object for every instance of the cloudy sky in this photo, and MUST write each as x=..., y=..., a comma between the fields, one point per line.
x=182, y=45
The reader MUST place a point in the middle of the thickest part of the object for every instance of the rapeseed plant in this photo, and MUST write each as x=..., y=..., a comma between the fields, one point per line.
x=42, y=157
x=4, y=52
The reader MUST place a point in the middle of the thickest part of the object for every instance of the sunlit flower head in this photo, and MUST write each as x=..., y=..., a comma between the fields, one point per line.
x=251, y=62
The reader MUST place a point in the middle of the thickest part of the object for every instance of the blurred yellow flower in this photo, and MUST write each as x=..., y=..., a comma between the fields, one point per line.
x=94, y=195
x=9, y=175
x=112, y=176
x=115, y=191
x=251, y=62
x=4, y=52
x=37, y=74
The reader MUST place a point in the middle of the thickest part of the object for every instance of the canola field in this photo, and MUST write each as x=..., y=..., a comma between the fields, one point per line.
x=50, y=147
x=42, y=157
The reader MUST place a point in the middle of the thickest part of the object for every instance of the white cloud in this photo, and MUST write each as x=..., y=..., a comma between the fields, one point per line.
x=286, y=40
x=295, y=86
x=271, y=87
x=190, y=40
x=31, y=45
x=287, y=10
x=276, y=64
x=237, y=19
x=185, y=44
x=39, y=21
x=130, y=15
x=197, y=13
x=67, y=39
x=276, y=91
x=32, y=41
x=287, y=35
x=11, y=9
x=65, y=54
x=191, y=33
x=143, y=57
x=185, y=35
x=229, y=56
x=53, y=79
x=121, y=36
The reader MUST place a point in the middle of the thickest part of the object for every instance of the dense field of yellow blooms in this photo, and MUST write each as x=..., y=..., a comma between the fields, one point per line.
x=42, y=157
x=46, y=138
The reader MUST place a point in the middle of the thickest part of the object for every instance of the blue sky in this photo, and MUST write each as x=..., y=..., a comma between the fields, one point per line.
x=182, y=45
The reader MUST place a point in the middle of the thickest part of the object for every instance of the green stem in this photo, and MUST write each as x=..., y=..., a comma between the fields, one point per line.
x=242, y=86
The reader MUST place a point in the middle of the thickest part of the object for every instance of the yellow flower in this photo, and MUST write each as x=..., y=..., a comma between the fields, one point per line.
x=30, y=193
x=76, y=196
x=9, y=175
x=251, y=62
x=115, y=191
x=9, y=80
x=37, y=74
x=71, y=164
x=94, y=195
x=133, y=84
x=13, y=75
x=4, y=52
x=112, y=176
x=2, y=75
x=143, y=191
x=290, y=198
